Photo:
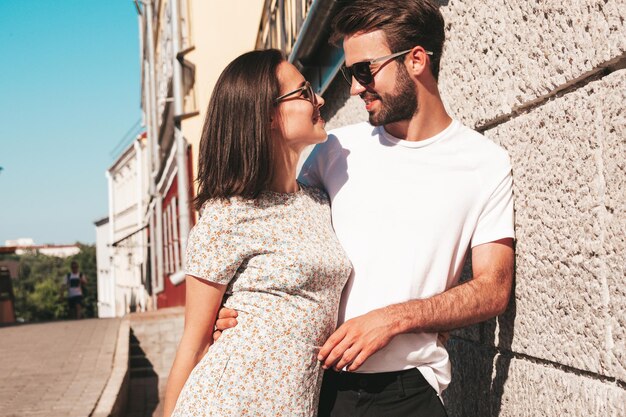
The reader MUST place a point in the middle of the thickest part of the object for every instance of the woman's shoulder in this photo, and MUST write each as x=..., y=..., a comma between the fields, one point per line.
x=215, y=206
x=220, y=210
x=231, y=211
x=316, y=193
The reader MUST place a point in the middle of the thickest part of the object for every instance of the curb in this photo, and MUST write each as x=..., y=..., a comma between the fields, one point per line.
x=112, y=401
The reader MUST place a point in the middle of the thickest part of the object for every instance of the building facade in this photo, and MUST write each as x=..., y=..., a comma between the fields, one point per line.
x=106, y=285
x=123, y=263
x=548, y=83
x=184, y=46
x=23, y=246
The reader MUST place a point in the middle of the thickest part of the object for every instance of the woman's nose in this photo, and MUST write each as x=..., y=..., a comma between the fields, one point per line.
x=320, y=100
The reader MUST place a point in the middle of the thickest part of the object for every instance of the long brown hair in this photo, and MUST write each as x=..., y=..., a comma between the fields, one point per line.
x=236, y=150
x=405, y=23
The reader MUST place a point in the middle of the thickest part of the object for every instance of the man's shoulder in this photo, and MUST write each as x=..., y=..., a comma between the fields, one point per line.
x=482, y=147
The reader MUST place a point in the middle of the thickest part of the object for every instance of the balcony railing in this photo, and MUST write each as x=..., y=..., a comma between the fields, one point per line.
x=281, y=23
x=301, y=28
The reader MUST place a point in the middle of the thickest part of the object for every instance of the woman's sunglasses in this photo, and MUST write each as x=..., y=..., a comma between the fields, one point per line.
x=307, y=94
x=362, y=71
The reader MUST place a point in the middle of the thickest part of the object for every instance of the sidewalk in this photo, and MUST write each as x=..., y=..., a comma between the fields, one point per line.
x=55, y=369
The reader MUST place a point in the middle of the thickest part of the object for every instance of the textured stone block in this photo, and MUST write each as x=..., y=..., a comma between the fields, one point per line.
x=613, y=159
x=486, y=384
x=568, y=169
x=500, y=55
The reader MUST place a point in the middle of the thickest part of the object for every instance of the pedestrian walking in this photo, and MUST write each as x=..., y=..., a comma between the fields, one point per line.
x=75, y=282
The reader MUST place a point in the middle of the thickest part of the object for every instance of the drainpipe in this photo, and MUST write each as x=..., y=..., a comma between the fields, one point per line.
x=111, y=287
x=310, y=37
x=149, y=130
x=158, y=239
x=152, y=91
x=181, y=143
x=156, y=223
x=139, y=249
x=146, y=44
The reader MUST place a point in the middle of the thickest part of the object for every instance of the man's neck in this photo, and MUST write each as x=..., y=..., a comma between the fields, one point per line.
x=430, y=119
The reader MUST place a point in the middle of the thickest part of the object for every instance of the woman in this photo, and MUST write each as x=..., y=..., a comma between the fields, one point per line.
x=267, y=242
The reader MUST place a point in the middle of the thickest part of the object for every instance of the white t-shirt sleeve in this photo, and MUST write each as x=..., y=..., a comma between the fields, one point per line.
x=496, y=218
x=214, y=252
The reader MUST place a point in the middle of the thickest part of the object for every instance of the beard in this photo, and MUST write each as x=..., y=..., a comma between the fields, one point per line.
x=397, y=106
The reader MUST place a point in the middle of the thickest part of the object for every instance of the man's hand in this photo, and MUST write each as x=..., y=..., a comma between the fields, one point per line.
x=226, y=319
x=356, y=340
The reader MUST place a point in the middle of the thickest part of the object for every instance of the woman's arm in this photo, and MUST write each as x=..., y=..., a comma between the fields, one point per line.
x=203, y=300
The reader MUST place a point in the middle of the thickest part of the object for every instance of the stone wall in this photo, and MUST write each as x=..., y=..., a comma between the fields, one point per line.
x=546, y=80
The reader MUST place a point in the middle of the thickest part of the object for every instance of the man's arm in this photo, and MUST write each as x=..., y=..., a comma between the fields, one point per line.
x=484, y=296
x=226, y=319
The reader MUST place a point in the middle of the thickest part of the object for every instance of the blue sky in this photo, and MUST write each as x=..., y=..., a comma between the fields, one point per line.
x=69, y=92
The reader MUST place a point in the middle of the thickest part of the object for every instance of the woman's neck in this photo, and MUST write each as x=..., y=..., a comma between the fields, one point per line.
x=286, y=164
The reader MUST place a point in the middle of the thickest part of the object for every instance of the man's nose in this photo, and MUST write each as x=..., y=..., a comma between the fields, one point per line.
x=356, y=88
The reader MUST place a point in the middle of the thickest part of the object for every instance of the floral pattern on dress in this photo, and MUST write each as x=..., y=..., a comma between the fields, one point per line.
x=285, y=271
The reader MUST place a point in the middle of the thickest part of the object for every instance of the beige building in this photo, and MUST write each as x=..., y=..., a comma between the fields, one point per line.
x=184, y=46
x=546, y=81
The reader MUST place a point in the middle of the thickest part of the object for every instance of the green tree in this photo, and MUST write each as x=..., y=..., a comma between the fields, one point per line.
x=45, y=302
x=39, y=290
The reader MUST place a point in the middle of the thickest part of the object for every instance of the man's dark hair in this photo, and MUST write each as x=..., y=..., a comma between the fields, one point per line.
x=406, y=23
x=236, y=150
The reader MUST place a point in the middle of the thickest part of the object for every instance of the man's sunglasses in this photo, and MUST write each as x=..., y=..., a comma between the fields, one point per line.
x=362, y=71
x=307, y=94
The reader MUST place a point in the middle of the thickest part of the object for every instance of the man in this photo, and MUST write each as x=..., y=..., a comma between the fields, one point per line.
x=411, y=192
x=74, y=282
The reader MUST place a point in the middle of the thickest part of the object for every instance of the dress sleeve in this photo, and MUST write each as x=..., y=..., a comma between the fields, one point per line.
x=214, y=251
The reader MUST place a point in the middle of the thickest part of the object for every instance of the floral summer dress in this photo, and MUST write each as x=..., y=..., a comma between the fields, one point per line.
x=285, y=271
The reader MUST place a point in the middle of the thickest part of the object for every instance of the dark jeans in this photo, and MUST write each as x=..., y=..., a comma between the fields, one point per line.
x=388, y=394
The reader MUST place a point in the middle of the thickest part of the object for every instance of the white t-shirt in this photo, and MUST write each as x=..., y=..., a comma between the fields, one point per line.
x=406, y=213
x=73, y=282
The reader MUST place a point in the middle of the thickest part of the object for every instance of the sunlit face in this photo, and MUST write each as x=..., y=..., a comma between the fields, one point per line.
x=297, y=119
x=391, y=97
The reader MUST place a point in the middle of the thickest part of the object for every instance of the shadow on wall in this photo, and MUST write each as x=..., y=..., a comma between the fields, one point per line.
x=480, y=363
x=335, y=98
x=143, y=395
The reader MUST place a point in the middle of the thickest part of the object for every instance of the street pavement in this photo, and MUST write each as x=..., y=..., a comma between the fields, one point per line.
x=55, y=369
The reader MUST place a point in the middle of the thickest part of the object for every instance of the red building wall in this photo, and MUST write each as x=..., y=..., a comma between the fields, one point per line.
x=174, y=295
